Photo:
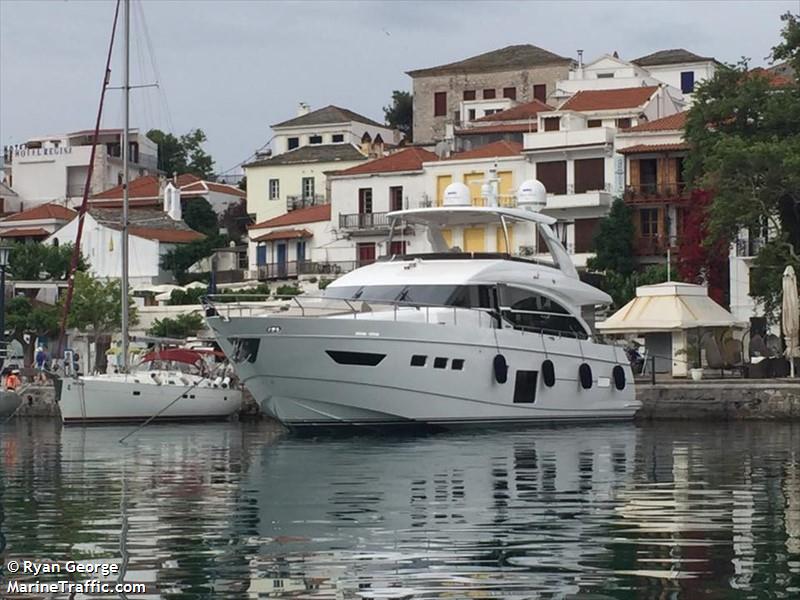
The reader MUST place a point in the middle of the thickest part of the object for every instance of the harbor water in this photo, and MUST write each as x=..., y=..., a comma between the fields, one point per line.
x=666, y=510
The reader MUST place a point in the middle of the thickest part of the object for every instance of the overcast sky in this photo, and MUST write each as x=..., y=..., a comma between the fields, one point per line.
x=233, y=68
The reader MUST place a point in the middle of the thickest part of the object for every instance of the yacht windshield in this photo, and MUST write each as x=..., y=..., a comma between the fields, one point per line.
x=465, y=296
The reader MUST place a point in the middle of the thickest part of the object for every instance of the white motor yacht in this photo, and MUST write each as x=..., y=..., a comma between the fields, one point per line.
x=442, y=338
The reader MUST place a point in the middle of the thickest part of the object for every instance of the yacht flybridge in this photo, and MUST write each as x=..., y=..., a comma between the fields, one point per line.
x=443, y=338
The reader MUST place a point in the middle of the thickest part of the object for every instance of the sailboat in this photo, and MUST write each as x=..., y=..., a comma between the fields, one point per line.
x=170, y=385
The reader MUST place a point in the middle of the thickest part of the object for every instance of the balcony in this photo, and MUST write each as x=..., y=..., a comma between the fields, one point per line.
x=551, y=140
x=304, y=201
x=748, y=248
x=652, y=193
x=356, y=221
x=589, y=198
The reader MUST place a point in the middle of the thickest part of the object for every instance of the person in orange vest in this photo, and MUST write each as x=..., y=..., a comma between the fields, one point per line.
x=13, y=381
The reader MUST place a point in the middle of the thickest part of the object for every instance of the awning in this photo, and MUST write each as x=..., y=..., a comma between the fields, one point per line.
x=668, y=306
x=286, y=234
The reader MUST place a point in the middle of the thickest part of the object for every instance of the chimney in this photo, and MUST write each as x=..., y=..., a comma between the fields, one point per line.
x=172, y=202
x=303, y=109
x=580, y=59
x=174, y=178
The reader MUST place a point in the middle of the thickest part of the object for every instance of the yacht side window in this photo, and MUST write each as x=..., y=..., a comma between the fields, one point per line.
x=245, y=349
x=529, y=310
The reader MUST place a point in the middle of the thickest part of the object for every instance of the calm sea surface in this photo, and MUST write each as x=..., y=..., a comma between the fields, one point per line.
x=662, y=511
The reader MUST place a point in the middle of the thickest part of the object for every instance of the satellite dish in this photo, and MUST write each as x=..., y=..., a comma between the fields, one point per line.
x=457, y=194
x=532, y=195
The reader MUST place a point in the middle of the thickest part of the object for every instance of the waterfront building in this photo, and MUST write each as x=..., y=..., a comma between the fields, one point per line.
x=35, y=224
x=679, y=68
x=53, y=168
x=508, y=125
x=303, y=149
x=10, y=202
x=459, y=92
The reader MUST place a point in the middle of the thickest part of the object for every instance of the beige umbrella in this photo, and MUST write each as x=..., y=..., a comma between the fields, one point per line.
x=790, y=319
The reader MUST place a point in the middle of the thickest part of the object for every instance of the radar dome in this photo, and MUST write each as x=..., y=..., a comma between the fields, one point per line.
x=457, y=194
x=532, y=195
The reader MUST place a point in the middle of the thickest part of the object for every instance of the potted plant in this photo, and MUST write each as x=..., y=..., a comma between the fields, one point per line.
x=692, y=352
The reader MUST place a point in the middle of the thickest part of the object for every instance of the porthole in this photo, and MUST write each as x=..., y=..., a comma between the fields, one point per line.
x=500, y=369
x=418, y=360
x=618, y=374
x=440, y=362
x=585, y=376
x=548, y=373
x=457, y=364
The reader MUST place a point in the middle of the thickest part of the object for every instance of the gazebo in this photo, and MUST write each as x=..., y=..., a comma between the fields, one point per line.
x=664, y=314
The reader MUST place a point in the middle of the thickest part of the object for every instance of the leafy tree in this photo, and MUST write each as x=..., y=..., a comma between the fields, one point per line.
x=179, y=259
x=183, y=297
x=242, y=185
x=614, y=242
x=399, y=115
x=744, y=134
x=184, y=154
x=32, y=262
x=235, y=221
x=97, y=310
x=28, y=318
x=183, y=326
x=199, y=215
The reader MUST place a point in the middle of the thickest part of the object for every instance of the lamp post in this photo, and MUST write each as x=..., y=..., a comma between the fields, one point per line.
x=4, y=254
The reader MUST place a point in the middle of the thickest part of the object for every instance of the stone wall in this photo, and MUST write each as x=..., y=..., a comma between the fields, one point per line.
x=428, y=128
x=720, y=401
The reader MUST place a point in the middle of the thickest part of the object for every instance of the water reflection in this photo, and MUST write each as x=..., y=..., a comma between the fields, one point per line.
x=229, y=511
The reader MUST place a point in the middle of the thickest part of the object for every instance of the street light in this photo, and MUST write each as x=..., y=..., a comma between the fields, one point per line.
x=5, y=251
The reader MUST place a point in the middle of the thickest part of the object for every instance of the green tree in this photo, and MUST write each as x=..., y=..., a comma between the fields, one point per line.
x=400, y=114
x=235, y=221
x=199, y=215
x=614, y=242
x=33, y=262
x=242, y=185
x=179, y=259
x=744, y=134
x=183, y=326
x=184, y=154
x=28, y=318
x=97, y=310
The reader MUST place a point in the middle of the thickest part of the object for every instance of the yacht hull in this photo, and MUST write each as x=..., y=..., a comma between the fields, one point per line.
x=100, y=400
x=313, y=373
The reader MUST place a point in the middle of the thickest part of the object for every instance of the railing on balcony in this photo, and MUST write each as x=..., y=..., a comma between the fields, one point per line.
x=291, y=269
x=749, y=247
x=606, y=187
x=654, y=192
x=304, y=201
x=378, y=220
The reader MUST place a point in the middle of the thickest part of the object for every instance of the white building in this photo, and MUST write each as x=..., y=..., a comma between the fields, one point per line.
x=54, y=168
x=10, y=202
x=35, y=224
x=361, y=197
x=153, y=233
x=304, y=148
x=508, y=125
x=679, y=68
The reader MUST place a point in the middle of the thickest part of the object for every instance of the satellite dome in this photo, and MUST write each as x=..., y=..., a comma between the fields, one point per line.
x=457, y=194
x=532, y=195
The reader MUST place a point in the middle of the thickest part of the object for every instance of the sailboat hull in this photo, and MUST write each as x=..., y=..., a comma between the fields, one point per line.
x=112, y=400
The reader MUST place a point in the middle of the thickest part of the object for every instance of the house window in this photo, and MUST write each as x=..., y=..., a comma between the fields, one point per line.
x=293, y=143
x=469, y=94
x=337, y=138
x=605, y=76
x=540, y=92
x=315, y=139
x=308, y=187
x=553, y=176
x=648, y=175
x=624, y=123
x=552, y=123
x=440, y=104
x=687, y=82
x=585, y=231
x=364, y=200
x=396, y=197
x=589, y=175
x=594, y=123
x=366, y=253
x=489, y=94
x=397, y=248
x=510, y=92
x=261, y=254
x=301, y=250
x=274, y=189
x=648, y=222
x=471, y=114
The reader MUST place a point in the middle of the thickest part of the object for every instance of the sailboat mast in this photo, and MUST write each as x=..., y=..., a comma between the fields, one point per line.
x=125, y=178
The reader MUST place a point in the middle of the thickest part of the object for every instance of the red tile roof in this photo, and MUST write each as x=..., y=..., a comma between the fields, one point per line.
x=589, y=100
x=148, y=187
x=495, y=149
x=670, y=123
x=774, y=79
x=176, y=236
x=43, y=212
x=312, y=214
x=640, y=148
x=33, y=232
x=499, y=128
x=410, y=159
x=528, y=110
x=286, y=234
